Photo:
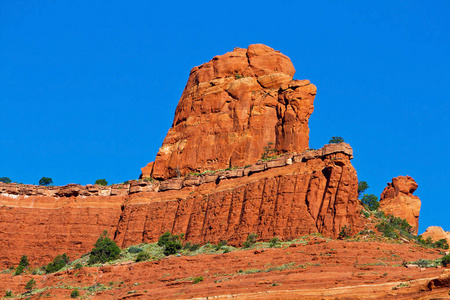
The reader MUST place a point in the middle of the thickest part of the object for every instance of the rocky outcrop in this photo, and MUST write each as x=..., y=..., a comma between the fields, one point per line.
x=42, y=227
x=436, y=233
x=73, y=190
x=318, y=194
x=398, y=200
x=231, y=108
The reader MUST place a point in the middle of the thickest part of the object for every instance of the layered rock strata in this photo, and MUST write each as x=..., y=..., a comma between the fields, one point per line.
x=231, y=108
x=319, y=194
x=42, y=227
x=398, y=200
x=286, y=196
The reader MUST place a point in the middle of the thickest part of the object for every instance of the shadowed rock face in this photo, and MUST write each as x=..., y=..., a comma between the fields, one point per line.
x=231, y=108
x=398, y=200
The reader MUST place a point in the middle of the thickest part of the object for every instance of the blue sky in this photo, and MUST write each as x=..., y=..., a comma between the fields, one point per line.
x=88, y=89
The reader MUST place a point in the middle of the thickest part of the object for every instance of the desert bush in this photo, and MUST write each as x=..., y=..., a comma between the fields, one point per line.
x=273, y=242
x=269, y=152
x=101, y=182
x=78, y=266
x=370, y=201
x=46, y=181
x=220, y=244
x=362, y=187
x=104, y=250
x=345, y=232
x=251, y=240
x=446, y=260
x=8, y=293
x=191, y=247
x=142, y=256
x=134, y=249
x=336, y=140
x=198, y=279
x=171, y=243
x=5, y=180
x=442, y=243
x=59, y=262
x=30, y=284
x=75, y=294
x=23, y=264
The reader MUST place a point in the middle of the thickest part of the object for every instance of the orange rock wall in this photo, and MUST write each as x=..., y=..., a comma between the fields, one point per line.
x=231, y=108
x=42, y=227
x=319, y=195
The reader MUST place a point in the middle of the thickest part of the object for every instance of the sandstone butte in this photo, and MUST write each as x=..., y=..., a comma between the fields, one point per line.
x=398, y=200
x=231, y=109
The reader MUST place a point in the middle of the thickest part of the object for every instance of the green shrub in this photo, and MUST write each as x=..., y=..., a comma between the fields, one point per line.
x=269, y=152
x=24, y=261
x=238, y=76
x=8, y=293
x=220, y=244
x=59, y=262
x=30, y=284
x=142, y=256
x=198, y=279
x=191, y=247
x=345, y=233
x=75, y=294
x=19, y=270
x=78, y=266
x=171, y=243
x=134, y=249
x=370, y=201
x=101, y=182
x=446, y=260
x=273, y=242
x=362, y=187
x=442, y=243
x=23, y=264
x=251, y=240
x=104, y=250
x=336, y=140
x=5, y=180
x=46, y=181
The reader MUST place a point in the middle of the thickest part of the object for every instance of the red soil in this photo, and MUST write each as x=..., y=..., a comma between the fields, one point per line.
x=321, y=269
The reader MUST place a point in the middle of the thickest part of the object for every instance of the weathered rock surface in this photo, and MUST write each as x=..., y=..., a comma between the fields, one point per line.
x=398, y=200
x=42, y=227
x=231, y=108
x=317, y=195
x=436, y=233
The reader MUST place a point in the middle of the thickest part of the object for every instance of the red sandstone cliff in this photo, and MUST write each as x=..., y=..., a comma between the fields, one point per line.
x=231, y=108
x=318, y=194
x=398, y=200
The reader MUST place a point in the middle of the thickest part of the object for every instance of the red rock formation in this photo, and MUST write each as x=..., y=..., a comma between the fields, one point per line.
x=42, y=227
x=398, y=200
x=317, y=195
x=231, y=108
x=436, y=233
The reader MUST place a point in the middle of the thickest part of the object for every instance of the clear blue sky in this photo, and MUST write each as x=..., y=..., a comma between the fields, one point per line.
x=88, y=89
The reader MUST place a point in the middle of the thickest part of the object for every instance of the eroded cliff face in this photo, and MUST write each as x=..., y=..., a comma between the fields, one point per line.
x=231, y=108
x=42, y=227
x=398, y=200
x=318, y=194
